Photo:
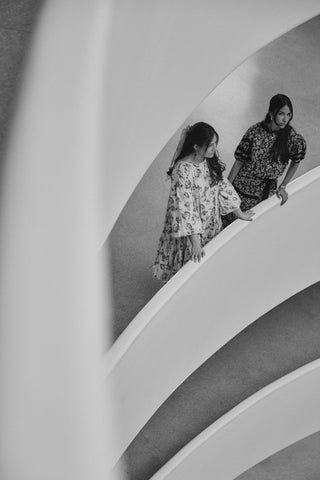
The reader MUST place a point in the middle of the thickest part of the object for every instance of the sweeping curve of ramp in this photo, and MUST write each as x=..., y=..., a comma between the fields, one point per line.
x=248, y=270
x=274, y=418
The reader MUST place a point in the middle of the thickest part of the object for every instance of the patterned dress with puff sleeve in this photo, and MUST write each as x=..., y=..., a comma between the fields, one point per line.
x=195, y=206
x=257, y=178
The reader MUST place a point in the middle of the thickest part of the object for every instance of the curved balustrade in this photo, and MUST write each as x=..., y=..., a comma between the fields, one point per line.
x=248, y=269
x=272, y=419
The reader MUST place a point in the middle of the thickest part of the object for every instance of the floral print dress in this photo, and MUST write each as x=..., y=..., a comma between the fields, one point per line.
x=195, y=206
x=257, y=179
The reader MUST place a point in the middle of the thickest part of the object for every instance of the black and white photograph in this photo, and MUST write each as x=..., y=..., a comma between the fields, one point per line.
x=159, y=240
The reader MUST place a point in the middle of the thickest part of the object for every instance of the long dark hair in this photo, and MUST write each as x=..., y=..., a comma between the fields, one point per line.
x=280, y=148
x=200, y=134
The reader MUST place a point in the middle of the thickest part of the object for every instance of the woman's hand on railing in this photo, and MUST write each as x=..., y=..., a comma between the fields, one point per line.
x=282, y=194
x=197, y=252
x=247, y=215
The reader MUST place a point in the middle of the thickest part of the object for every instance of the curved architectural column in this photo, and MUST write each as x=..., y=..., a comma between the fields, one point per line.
x=52, y=415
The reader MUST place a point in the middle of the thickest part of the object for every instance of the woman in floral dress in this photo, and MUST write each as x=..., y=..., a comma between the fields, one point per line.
x=199, y=195
x=264, y=153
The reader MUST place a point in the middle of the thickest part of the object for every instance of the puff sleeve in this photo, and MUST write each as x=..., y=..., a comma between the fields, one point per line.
x=298, y=148
x=228, y=198
x=185, y=209
x=244, y=149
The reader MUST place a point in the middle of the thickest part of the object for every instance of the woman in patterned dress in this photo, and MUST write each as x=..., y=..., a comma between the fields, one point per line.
x=264, y=153
x=199, y=195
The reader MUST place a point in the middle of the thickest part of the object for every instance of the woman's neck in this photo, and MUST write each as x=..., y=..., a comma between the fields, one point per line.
x=193, y=158
x=273, y=126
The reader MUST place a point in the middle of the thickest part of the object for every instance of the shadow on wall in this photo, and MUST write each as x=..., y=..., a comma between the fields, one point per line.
x=288, y=65
x=17, y=24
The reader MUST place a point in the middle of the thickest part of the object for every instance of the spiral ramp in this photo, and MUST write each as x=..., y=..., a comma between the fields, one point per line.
x=162, y=347
x=268, y=421
x=179, y=326
x=193, y=316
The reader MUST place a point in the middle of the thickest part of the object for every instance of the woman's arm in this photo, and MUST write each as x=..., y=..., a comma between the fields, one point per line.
x=293, y=167
x=185, y=215
x=297, y=153
x=197, y=251
x=281, y=192
x=242, y=153
x=236, y=167
x=247, y=215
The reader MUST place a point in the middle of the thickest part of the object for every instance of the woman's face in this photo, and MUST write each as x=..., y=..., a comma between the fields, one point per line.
x=212, y=148
x=282, y=117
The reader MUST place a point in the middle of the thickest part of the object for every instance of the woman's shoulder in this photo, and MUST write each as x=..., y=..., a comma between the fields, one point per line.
x=257, y=126
x=262, y=128
x=183, y=168
x=295, y=137
x=254, y=129
x=224, y=182
x=183, y=164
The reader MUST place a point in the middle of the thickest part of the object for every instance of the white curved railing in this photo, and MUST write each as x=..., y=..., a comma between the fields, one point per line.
x=277, y=416
x=248, y=269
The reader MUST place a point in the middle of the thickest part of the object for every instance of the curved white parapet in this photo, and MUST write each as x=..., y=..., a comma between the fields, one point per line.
x=249, y=268
x=277, y=416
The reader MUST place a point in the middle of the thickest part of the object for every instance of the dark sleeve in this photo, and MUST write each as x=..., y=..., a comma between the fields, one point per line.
x=243, y=150
x=298, y=149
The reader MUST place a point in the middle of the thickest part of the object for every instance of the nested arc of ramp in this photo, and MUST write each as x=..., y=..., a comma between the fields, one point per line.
x=272, y=419
x=248, y=270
